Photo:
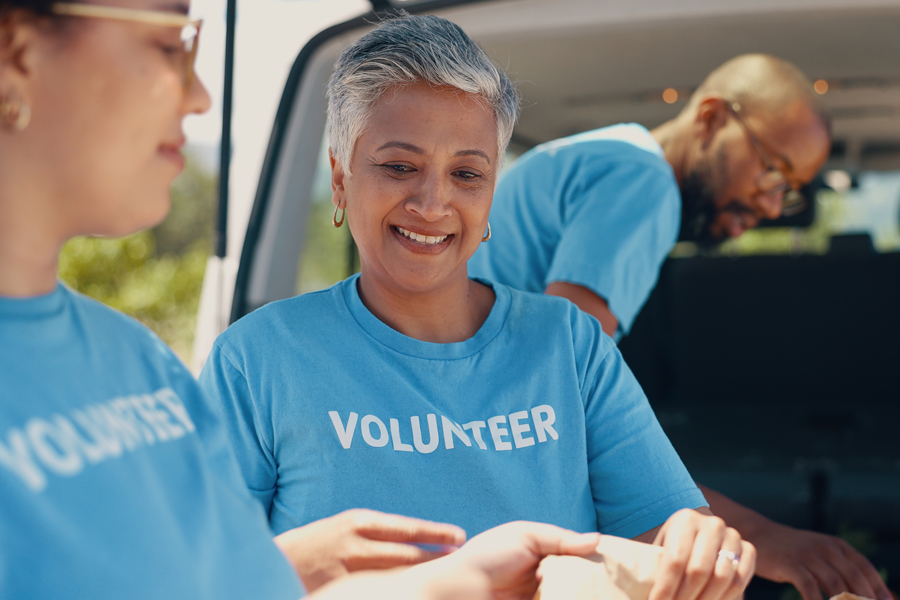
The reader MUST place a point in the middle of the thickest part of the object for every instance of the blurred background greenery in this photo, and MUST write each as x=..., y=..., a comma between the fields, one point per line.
x=155, y=275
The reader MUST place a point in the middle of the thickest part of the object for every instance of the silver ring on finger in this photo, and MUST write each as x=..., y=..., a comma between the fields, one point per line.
x=731, y=557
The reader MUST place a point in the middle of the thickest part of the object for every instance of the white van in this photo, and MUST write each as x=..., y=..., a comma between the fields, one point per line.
x=793, y=330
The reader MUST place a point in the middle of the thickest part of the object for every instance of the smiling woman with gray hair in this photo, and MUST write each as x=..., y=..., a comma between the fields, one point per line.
x=413, y=389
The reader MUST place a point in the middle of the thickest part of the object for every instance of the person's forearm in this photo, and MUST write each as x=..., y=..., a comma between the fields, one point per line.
x=745, y=520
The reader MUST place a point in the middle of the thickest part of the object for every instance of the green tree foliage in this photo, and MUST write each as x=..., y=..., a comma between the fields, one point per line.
x=156, y=275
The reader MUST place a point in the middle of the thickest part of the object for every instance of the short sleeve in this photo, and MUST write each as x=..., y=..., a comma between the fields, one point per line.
x=637, y=479
x=620, y=221
x=227, y=389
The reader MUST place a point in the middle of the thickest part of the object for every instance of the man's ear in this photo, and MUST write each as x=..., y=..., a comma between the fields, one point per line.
x=711, y=117
x=338, y=178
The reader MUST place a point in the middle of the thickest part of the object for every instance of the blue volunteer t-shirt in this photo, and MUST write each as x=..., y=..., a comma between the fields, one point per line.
x=599, y=209
x=116, y=477
x=535, y=417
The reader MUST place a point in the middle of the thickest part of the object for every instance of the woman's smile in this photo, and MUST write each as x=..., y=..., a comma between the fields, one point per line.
x=421, y=241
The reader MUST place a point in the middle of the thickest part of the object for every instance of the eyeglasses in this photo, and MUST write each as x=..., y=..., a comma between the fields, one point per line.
x=773, y=180
x=190, y=28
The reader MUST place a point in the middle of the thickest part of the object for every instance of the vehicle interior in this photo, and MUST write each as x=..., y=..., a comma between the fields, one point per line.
x=773, y=362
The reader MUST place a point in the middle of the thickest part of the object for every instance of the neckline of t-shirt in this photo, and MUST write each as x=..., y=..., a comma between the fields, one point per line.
x=34, y=307
x=393, y=339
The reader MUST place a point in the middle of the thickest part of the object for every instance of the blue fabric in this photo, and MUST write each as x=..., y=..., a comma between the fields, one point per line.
x=599, y=209
x=116, y=477
x=534, y=417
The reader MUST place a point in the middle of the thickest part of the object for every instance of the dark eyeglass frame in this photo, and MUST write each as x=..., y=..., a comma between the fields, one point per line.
x=190, y=27
x=793, y=201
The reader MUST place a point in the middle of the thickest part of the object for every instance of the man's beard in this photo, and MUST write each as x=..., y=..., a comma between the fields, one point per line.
x=698, y=212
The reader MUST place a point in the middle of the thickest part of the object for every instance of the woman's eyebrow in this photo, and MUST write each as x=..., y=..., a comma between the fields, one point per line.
x=473, y=152
x=176, y=7
x=403, y=146
x=416, y=150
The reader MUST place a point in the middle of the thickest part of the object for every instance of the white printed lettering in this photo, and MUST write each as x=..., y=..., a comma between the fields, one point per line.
x=175, y=406
x=130, y=429
x=55, y=445
x=475, y=427
x=93, y=434
x=517, y=434
x=345, y=435
x=497, y=433
x=544, y=426
x=433, y=439
x=383, y=437
x=16, y=458
x=96, y=422
x=518, y=429
x=93, y=451
x=158, y=420
x=399, y=446
x=451, y=429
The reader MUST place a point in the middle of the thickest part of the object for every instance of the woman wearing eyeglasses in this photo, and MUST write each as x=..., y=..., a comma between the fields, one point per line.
x=114, y=475
x=412, y=388
x=116, y=479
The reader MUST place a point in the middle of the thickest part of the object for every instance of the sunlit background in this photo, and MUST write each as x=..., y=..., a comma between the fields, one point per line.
x=156, y=276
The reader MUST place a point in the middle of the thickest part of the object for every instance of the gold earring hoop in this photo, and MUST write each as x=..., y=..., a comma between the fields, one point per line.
x=16, y=114
x=487, y=236
x=334, y=220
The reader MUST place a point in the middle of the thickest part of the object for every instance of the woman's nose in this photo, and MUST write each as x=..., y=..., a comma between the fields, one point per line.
x=432, y=200
x=197, y=99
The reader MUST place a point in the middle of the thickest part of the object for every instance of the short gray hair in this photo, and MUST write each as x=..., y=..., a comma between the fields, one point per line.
x=411, y=49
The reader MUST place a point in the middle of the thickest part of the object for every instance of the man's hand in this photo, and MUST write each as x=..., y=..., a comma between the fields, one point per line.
x=358, y=540
x=811, y=561
x=698, y=563
x=808, y=560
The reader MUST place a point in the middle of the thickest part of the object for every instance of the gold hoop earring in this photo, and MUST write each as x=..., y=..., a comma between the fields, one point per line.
x=16, y=114
x=487, y=236
x=334, y=220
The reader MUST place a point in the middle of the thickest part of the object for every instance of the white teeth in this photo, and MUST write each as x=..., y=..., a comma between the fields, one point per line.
x=422, y=239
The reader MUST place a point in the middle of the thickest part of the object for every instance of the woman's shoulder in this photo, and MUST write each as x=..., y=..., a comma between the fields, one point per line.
x=124, y=339
x=297, y=316
x=111, y=323
x=553, y=314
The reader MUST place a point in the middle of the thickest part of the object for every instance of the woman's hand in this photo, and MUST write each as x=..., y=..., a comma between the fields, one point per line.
x=704, y=560
x=499, y=564
x=358, y=540
x=509, y=555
